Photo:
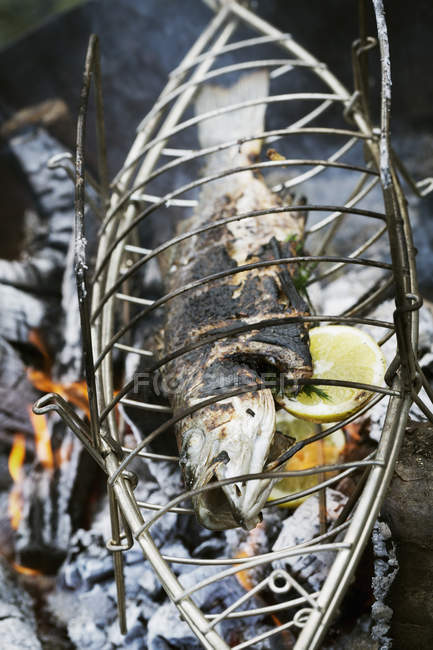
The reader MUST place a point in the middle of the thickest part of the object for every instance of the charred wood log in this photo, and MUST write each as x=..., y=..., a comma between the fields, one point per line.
x=38, y=292
x=57, y=499
x=408, y=509
x=41, y=269
x=15, y=392
x=30, y=286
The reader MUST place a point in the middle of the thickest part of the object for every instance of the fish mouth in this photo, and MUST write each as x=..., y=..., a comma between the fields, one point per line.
x=239, y=444
x=233, y=505
x=214, y=510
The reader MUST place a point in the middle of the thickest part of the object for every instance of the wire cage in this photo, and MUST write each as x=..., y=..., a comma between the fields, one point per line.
x=323, y=116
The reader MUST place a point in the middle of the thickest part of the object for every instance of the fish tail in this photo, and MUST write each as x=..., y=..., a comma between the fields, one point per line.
x=234, y=125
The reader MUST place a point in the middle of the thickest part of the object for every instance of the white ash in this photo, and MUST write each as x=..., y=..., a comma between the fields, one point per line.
x=337, y=295
x=87, y=579
x=69, y=359
x=341, y=293
x=425, y=346
x=303, y=526
x=85, y=600
x=17, y=620
x=385, y=571
x=165, y=632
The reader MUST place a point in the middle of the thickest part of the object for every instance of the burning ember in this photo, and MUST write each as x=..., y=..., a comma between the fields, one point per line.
x=35, y=500
x=25, y=570
x=74, y=392
x=15, y=465
x=255, y=543
x=44, y=452
x=44, y=455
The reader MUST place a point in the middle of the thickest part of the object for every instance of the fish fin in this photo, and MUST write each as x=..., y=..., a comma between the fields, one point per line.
x=280, y=445
x=158, y=339
x=233, y=125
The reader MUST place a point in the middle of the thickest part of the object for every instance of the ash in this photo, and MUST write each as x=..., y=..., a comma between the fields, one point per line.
x=85, y=598
x=303, y=526
x=385, y=571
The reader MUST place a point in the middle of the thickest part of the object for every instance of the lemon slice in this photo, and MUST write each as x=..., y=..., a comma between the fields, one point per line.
x=322, y=452
x=344, y=353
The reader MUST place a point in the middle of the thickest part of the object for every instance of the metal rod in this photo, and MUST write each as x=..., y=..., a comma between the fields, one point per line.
x=228, y=273
x=297, y=128
x=227, y=172
x=80, y=240
x=222, y=222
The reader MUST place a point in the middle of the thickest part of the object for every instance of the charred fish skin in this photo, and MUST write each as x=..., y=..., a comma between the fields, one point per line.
x=235, y=435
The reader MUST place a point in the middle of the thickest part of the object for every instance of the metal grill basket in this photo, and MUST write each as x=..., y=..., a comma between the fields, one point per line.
x=330, y=119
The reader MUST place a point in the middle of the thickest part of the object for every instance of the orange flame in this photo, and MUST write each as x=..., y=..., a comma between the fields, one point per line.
x=15, y=465
x=74, y=392
x=26, y=570
x=44, y=452
x=249, y=549
x=16, y=457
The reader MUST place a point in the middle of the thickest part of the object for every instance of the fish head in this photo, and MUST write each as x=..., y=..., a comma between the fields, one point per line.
x=230, y=438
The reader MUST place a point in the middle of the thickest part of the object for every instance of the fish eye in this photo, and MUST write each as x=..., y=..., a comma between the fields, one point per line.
x=194, y=438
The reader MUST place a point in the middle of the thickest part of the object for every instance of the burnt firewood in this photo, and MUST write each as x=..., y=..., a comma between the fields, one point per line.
x=15, y=392
x=30, y=286
x=37, y=292
x=41, y=268
x=57, y=499
x=408, y=509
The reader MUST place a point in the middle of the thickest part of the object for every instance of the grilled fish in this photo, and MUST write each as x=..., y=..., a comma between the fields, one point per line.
x=236, y=435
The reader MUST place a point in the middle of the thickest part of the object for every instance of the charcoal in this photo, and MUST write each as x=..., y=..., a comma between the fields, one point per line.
x=134, y=556
x=88, y=570
x=302, y=526
x=136, y=635
x=210, y=548
x=177, y=549
x=88, y=561
x=15, y=390
x=16, y=634
x=55, y=501
x=408, y=512
x=133, y=574
x=166, y=631
x=164, y=530
x=149, y=582
x=30, y=287
x=358, y=638
x=98, y=604
x=22, y=312
x=167, y=477
x=17, y=620
x=68, y=366
x=85, y=634
x=85, y=615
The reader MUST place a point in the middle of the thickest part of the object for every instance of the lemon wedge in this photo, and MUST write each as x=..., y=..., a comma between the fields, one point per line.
x=344, y=353
x=322, y=452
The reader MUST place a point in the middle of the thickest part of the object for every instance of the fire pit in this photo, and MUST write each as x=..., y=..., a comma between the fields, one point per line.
x=286, y=578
